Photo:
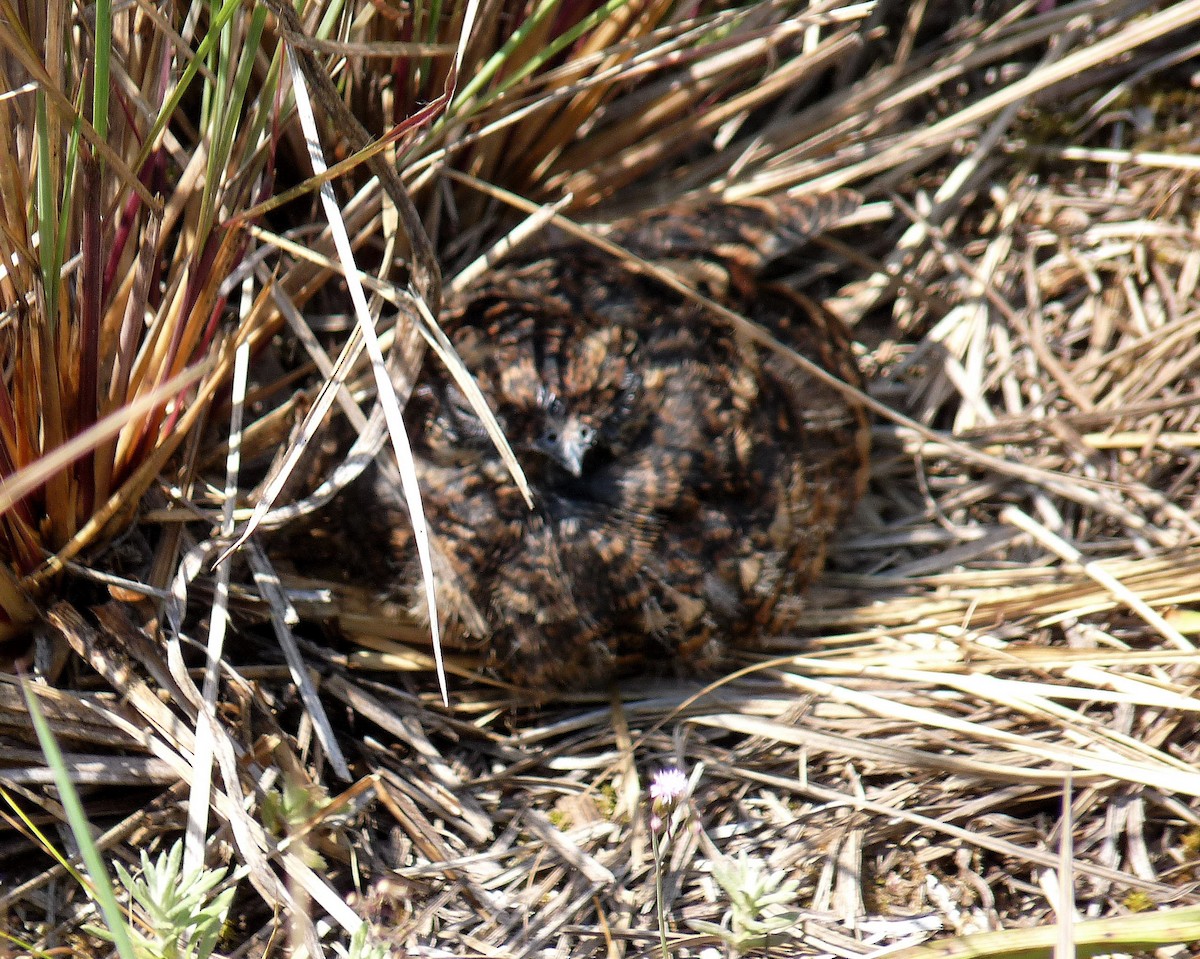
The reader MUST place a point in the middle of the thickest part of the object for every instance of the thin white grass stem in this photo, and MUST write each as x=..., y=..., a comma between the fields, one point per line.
x=283, y=612
x=1065, y=947
x=513, y=240
x=206, y=722
x=1137, y=33
x=1065, y=551
x=386, y=394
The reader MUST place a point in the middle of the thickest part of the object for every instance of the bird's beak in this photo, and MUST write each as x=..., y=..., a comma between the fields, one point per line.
x=566, y=442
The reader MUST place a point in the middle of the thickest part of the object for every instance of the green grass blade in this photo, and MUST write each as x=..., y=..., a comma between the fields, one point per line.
x=47, y=221
x=231, y=112
x=500, y=57
x=563, y=40
x=171, y=105
x=47, y=846
x=102, y=888
x=101, y=77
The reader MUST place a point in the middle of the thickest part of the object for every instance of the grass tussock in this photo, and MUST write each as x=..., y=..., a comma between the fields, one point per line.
x=985, y=724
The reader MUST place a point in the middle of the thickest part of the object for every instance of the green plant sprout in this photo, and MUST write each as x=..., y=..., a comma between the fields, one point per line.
x=288, y=808
x=756, y=896
x=183, y=919
x=363, y=945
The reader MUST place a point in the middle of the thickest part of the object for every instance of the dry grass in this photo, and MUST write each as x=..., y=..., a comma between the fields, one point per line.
x=987, y=719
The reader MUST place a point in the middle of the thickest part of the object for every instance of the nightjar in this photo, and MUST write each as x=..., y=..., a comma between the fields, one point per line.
x=686, y=480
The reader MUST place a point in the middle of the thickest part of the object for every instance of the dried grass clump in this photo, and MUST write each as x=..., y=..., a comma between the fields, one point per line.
x=986, y=720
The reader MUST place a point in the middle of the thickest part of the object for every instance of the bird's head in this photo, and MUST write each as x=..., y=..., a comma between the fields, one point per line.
x=566, y=403
x=567, y=435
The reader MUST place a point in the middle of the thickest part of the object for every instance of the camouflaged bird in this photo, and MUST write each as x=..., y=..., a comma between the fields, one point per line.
x=686, y=480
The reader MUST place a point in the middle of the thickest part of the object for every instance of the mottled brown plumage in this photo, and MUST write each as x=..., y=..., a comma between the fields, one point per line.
x=686, y=480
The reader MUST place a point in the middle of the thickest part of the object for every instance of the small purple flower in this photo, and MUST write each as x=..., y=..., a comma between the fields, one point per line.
x=667, y=788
